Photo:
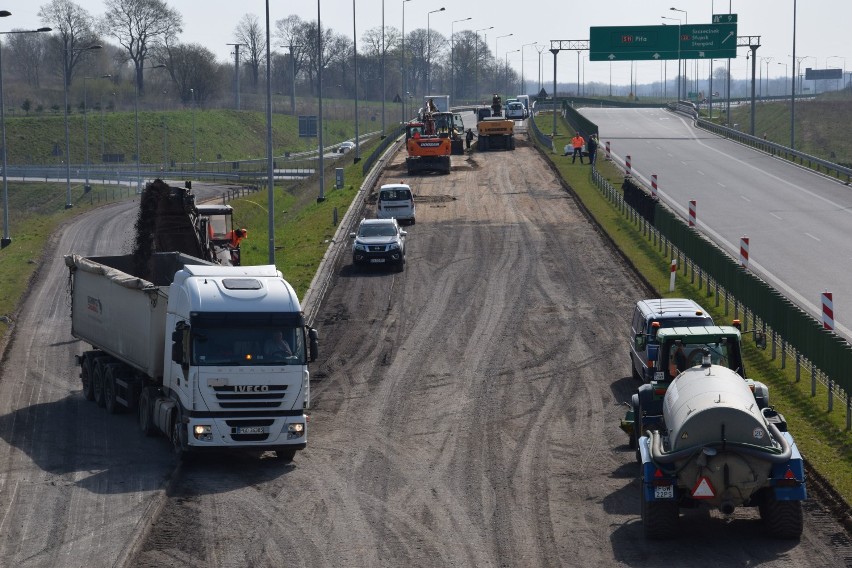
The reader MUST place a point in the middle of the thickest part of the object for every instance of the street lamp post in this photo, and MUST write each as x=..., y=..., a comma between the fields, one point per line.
x=496, y=53
x=429, y=49
x=7, y=239
x=506, y=71
x=65, y=50
x=355, y=73
x=453, y=57
x=87, y=187
x=686, y=23
x=292, y=47
x=476, y=61
x=523, y=78
x=136, y=119
x=194, y=153
x=680, y=77
x=402, y=60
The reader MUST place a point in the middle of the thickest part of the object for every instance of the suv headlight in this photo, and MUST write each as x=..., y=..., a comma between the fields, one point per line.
x=393, y=246
x=360, y=246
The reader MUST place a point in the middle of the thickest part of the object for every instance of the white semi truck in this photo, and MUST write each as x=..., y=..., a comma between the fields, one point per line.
x=214, y=357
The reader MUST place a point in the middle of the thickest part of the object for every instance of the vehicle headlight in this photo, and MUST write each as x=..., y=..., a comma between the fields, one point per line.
x=203, y=432
x=394, y=246
x=295, y=430
x=360, y=246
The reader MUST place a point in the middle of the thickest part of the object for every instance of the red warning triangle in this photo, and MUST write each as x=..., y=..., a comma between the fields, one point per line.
x=703, y=489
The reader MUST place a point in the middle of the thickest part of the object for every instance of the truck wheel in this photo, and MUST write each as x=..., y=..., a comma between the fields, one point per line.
x=98, y=382
x=86, y=378
x=783, y=519
x=659, y=518
x=145, y=413
x=179, y=438
x=111, y=405
x=285, y=455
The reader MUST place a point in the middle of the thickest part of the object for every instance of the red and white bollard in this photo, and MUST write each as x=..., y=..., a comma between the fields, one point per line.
x=627, y=164
x=691, y=212
x=608, y=154
x=654, y=185
x=673, y=274
x=744, y=252
x=827, y=310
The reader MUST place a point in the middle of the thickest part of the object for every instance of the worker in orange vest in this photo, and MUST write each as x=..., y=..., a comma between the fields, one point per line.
x=236, y=236
x=577, y=143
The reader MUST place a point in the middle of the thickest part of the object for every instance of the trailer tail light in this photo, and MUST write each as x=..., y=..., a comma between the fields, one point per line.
x=660, y=391
x=789, y=480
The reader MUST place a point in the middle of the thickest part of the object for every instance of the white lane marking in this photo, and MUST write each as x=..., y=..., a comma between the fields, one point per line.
x=720, y=184
x=744, y=198
x=700, y=172
x=813, y=237
x=777, y=217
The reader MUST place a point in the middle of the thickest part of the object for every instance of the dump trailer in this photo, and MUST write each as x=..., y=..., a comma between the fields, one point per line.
x=717, y=448
x=214, y=357
x=170, y=221
x=439, y=103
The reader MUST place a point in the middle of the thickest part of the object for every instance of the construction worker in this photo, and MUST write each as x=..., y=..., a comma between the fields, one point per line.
x=577, y=143
x=236, y=236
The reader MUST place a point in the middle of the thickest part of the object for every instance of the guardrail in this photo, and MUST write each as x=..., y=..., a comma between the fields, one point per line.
x=543, y=139
x=830, y=169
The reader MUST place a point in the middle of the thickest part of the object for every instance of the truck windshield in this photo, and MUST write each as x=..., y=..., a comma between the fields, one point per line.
x=240, y=346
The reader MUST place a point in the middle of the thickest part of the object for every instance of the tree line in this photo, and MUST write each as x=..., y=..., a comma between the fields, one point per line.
x=140, y=43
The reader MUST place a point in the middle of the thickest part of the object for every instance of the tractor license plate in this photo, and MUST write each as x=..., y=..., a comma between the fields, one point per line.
x=664, y=492
x=251, y=430
x=377, y=260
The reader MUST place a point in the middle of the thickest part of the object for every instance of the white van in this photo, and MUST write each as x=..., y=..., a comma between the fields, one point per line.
x=525, y=100
x=396, y=201
x=651, y=315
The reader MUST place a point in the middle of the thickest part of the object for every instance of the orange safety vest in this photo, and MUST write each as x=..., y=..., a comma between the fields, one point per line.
x=577, y=142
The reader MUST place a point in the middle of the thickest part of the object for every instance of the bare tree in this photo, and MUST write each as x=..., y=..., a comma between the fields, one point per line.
x=73, y=27
x=194, y=70
x=26, y=56
x=139, y=26
x=250, y=34
x=289, y=33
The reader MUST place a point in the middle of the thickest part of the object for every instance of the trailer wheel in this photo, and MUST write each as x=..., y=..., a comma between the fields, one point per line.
x=145, y=413
x=783, y=519
x=110, y=403
x=98, y=382
x=86, y=378
x=659, y=518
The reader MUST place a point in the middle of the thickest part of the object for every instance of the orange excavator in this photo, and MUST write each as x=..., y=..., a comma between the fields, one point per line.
x=429, y=141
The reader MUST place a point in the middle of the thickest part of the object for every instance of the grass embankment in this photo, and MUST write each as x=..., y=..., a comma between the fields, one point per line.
x=820, y=435
x=821, y=125
x=37, y=209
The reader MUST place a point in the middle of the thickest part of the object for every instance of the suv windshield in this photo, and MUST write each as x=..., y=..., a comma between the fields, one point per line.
x=231, y=346
x=377, y=231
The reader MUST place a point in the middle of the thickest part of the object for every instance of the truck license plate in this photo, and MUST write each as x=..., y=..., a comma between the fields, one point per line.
x=250, y=430
x=664, y=492
x=377, y=260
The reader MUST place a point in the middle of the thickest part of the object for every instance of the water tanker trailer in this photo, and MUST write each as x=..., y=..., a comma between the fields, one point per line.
x=716, y=447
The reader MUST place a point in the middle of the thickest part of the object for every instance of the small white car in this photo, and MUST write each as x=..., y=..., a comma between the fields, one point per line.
x=396, y=201
x=345, y=147
x=379, y=241
x=515, y=110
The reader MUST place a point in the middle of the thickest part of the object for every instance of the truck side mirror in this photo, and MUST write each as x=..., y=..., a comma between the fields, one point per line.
x=313, y=344
x=639, y=340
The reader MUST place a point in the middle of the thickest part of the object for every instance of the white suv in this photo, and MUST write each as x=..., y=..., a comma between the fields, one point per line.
x=379, y=241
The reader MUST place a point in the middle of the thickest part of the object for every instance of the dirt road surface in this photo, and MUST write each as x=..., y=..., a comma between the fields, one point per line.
x=464, y=413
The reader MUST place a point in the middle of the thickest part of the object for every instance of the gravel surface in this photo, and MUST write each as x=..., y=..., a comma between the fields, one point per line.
x=465, y=413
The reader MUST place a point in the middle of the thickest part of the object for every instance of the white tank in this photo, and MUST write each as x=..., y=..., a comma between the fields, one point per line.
x=706, y=405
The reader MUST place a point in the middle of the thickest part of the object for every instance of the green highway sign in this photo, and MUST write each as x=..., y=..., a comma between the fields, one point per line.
x=694, y=41
x=724, y=18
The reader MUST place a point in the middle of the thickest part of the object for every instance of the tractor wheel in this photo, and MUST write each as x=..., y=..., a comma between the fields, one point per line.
x=659, y=518
x=783, y=519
